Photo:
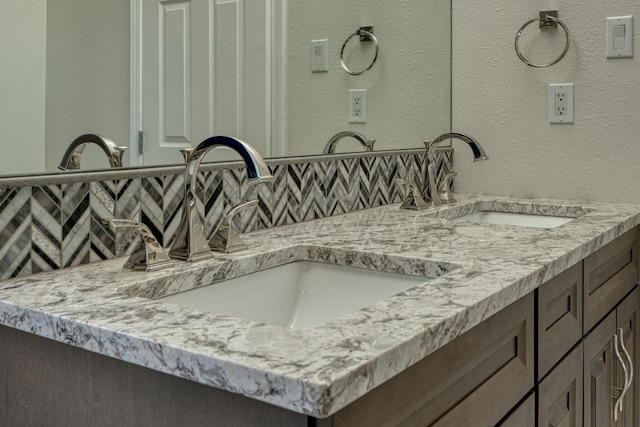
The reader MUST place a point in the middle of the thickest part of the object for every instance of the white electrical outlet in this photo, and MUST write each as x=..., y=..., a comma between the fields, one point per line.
x=561, y=103
x=357, y=106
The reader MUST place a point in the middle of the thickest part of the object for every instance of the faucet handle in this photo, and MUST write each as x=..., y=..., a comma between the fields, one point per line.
x=149, y=256
x=116, y=157
x=412, y=200
x=226, y=238
x=446, y=196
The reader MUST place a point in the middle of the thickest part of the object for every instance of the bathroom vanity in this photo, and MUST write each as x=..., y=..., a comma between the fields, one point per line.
x=507, y=316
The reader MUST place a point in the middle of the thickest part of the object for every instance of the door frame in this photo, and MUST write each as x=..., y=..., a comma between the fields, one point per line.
x=277, y=62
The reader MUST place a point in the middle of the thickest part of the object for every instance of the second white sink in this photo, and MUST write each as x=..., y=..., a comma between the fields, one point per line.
x=298, y=295
x=521, y=214
x=521, y=219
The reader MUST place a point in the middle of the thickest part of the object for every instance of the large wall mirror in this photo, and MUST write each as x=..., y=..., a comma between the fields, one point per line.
x=170, y=73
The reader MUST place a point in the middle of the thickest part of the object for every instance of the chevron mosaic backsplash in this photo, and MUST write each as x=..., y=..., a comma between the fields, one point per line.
x=53, y=226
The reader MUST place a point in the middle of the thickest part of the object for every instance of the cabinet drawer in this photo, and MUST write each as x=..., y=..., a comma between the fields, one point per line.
x=559, y=317
x=609, y=274
x=560, y=394
x=474, y=380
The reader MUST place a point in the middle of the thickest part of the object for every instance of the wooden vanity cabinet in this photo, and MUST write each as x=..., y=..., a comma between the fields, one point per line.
x=473, y=381
x=484, y=378
x=578, y=371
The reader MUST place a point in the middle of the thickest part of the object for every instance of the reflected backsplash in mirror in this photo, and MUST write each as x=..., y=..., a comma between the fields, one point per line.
x=74, y=68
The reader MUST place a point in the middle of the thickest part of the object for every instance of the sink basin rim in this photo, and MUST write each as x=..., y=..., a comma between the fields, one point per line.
x=538, y=215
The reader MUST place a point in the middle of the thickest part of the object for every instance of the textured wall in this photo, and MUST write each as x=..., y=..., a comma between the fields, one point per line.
x=503, y=103
x=22, y=85
x=408, y=88
x=87, y=76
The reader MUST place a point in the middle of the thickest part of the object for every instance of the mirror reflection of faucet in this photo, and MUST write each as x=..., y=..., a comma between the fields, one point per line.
x=71, y=158
x=441, y=195
x=330, y=148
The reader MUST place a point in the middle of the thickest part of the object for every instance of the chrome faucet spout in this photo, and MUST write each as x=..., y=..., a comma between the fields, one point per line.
x=71, y=158
x=330, y=148
x=190, y=243
x=476, y=148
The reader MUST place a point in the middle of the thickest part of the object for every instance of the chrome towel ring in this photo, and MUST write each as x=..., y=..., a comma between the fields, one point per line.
x=365, y=34
x=546, y=20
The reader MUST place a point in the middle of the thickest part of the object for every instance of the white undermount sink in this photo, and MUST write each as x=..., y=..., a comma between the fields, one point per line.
x=513, y=213
x=297, y=295
x=509, y=218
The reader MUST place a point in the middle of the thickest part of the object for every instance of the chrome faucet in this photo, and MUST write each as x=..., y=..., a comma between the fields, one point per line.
x=333, y=141
x=190, y=243
x=432, y=189
x=71, y=158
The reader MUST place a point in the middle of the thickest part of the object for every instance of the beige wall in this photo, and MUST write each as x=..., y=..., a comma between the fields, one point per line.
x=503, y=103
x=87, y=76
x=408, y=88
x=22, y=86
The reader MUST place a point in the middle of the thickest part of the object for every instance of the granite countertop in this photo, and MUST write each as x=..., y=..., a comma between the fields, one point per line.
x=474, y=271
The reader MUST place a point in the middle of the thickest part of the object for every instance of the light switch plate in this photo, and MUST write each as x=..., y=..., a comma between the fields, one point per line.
x=319, y=56
x=620, y=37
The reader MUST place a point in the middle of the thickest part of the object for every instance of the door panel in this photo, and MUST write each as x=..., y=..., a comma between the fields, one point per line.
x=205, y=71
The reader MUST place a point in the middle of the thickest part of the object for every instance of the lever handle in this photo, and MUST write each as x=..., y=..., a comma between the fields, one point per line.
x=445, y=195
x=149, y=256
x=412, y=200
x=225, y=238
x=233, y=212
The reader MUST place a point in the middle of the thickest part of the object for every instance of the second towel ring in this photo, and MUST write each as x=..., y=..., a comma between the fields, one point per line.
x=365, y=34
x=544, y=17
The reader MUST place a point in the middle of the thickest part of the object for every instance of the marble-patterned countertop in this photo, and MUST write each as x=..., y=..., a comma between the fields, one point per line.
x=475, y=270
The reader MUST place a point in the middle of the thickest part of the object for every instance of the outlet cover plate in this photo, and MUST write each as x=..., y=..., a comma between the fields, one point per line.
x=561, y=103
x=357, y=106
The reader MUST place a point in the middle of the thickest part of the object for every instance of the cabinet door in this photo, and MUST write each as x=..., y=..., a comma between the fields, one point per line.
x=559, y=317
x=560, y=394
x=598, y=374
x=627, y=320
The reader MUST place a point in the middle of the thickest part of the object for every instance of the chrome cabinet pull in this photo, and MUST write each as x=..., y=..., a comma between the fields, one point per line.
x=627, y=356
x=619, y=398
